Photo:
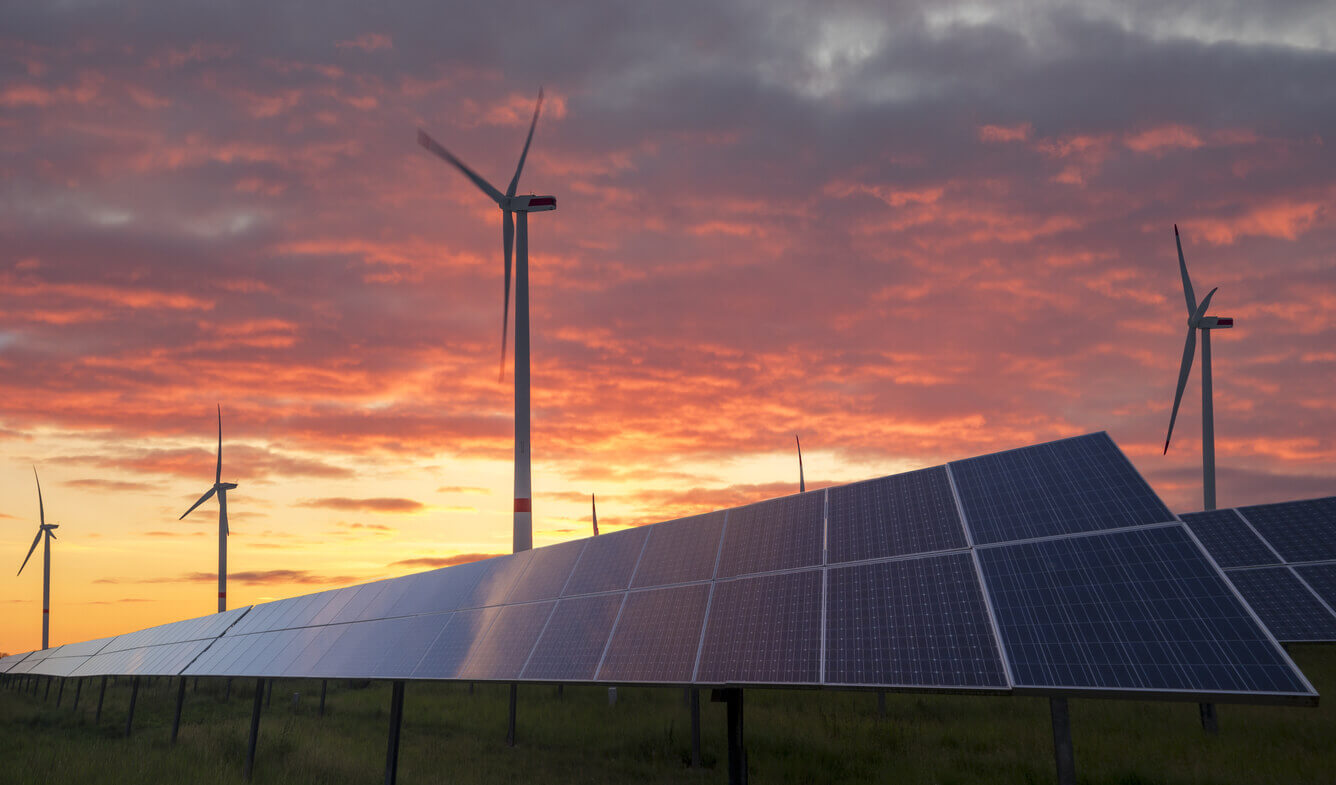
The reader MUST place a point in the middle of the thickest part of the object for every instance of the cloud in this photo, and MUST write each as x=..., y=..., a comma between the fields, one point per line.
x=115, y=486
x=250, y=577
x=443, y=561
x=389, y=505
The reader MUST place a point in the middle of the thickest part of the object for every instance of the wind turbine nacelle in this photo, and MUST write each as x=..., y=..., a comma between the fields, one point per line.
x=1215, y=322
x=532, y=204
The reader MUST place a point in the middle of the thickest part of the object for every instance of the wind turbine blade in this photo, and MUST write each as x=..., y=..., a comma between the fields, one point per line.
x=508, y=240
x=202, y=499
x=1184, y=370
x=1183, y=268
x=594, y=506
x=35, y=540
x=1202, y=306
x=433, y=146
x=218, y=473
x=51, y=534
x=802, y=483
x=41, y=510
x=515, y=181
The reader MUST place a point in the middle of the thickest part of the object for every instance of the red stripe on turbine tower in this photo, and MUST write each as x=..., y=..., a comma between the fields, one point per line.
x=523, y=505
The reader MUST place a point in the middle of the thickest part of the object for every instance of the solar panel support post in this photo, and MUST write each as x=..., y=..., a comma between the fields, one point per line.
x=510, y=727
x=268, y=693
x=134, y=696
x=737, y=751
x=1063, y=755
x=396, y=721
x=180, y=701
x=695, y=728
x=47, y=695
x=60, y=693
x=78, y=690
x=102, y=693
x=254, y=728
x=324, y=685
x=1209, y=722
x=227, y=694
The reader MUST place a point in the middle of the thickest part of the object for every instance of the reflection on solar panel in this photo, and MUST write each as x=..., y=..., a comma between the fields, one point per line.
x=1131, y=610
x=681, y=551
x=1228, y=539
x=875, y=584
x=574, y=639
x=894, y=516
x=1301, y=534
x=915, y=622
x=764, y=630
x=657, y=635
x=1299, y=531
x=1074, y=485
x=1285, y=605
x=607, y=563
x=778, y=534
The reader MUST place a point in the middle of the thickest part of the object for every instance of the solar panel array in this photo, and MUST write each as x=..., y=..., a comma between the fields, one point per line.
x=1050, y=569
x=1282, y=559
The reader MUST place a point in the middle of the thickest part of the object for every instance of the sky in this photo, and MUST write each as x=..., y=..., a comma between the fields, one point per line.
x=909, y=232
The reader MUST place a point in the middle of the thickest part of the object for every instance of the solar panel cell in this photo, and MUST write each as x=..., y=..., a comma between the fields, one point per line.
x=778, y=534
x=505, y=648
x=1228, y=539
x=574, y=638
x=549, y=569
x=764, y=630
x=657, y=635
x=894, y=516
x=1063, y=487
x=914, y=622
x=1299, y=531
x=681, y=551
x=607, y=563
x=1285, y=605
x=457, y=641
x=1131, y=610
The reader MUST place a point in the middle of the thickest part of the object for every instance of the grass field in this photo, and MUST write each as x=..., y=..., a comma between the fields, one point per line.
x=791, y=736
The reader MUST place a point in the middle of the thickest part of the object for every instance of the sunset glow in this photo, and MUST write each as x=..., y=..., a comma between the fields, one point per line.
x=908, y=240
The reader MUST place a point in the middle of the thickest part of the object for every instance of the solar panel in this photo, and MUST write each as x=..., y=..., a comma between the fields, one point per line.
x=657, y=635
x=894, y=516
x=448, y=653
x=1127, y=611
x=918, y=622
x=163, y=659
x=548, y=572
x=1299, y=531
x=1064, y=487
x=574, y=638
x=1288, y=609
x=778, y=534
x=502, y=652
x=381, y=649
x=681, y=551
x=494, y=584
x=764, y=630
x=9, y=661
x=607, y=563
x=439, y=590
x=33, y=659
x=1228, y=539
x=1322, y=579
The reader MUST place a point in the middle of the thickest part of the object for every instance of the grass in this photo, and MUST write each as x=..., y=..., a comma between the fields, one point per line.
x=794, y=736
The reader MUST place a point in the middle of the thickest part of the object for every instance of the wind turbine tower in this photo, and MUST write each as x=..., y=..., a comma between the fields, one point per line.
x=43, y=528
x=514, y=231
x=1198, y=320
x=221, y=488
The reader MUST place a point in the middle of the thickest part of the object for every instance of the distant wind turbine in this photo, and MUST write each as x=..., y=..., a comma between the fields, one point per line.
x=43, y=528
x=522, y=206
x=221, y=488
x=802, y=484
x=594, y=505
x=1198, y=320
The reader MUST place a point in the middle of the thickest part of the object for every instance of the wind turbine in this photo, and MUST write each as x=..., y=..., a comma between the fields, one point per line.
x=519, y=236
x=1198, y=320
x=594, y=506
x=43, y=528
x=802, y=484
x=221, y=488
